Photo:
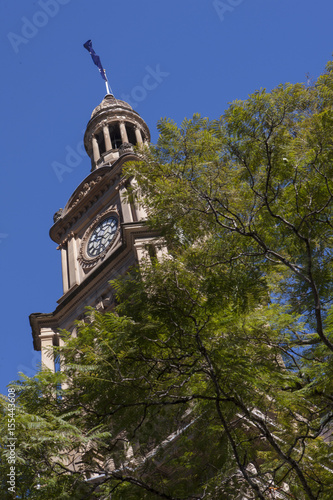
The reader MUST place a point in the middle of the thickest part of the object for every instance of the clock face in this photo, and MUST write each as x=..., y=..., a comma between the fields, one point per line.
x=102, y=236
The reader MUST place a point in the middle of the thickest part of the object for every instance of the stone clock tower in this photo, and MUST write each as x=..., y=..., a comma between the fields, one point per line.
x=99, y=232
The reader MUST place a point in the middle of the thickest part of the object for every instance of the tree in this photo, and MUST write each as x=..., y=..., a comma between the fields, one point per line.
x=212, y=378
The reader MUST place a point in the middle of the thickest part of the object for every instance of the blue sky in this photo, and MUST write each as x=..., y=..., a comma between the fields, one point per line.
x=202, y=54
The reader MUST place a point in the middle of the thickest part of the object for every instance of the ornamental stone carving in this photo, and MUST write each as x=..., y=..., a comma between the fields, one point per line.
x=85, y=189
x=58, y=215
x=126, y=147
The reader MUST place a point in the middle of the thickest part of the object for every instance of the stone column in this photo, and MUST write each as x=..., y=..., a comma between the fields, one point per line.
x=161, y=250
x=46, y=340
x=125, y=206
x=72, y=261
x=64, y=268
x=140, y=212
x=107, y=138
x=64, y=385
x=141, y=250
x=95, y=146
x=138, y=135
x=123, y=132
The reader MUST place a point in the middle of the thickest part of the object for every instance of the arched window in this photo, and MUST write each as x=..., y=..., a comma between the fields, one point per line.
x=131, y=133
x=101, y=143
x=115, y=135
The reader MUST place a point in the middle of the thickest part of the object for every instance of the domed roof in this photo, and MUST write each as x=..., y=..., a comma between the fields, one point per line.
x=113, y=122
x=110, y=102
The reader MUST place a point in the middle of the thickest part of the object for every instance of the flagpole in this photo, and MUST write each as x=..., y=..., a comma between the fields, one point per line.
x=108, y=88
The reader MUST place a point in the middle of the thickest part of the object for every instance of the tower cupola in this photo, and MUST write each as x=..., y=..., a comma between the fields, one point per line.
x=114, y=127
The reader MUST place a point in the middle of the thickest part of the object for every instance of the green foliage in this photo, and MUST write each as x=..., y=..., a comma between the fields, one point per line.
x=212, y=378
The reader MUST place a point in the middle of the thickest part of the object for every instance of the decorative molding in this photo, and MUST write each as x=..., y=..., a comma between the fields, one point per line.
x=126, y=147
x=105, y=300
x=85, y=190
x=105, y=186
x=124, y=183
x=82, y=201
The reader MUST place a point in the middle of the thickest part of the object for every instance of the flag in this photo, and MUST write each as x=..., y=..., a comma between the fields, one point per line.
x=95, y=58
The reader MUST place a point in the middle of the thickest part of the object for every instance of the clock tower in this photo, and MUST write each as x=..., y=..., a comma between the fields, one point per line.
x=100, y=232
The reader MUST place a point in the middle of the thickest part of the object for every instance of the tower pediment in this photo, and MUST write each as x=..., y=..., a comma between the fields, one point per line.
x=91, y=189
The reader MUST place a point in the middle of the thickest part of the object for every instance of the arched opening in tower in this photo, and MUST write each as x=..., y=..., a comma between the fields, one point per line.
x=101, y=142
x=115, y=135
x=130, y=133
